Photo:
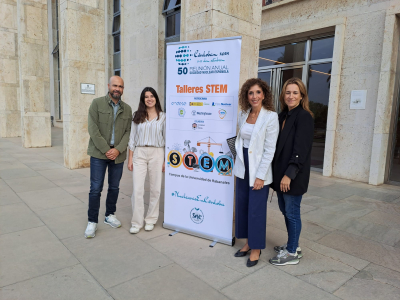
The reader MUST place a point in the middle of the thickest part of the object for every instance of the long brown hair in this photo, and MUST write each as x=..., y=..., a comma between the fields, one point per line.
x=243, y=97
x=141, y=114
x=304, y=102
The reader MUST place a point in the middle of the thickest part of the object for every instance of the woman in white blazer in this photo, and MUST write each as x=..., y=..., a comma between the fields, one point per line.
x=255, y=148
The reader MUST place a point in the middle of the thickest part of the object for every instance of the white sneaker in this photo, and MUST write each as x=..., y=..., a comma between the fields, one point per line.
x=134, y=229
x=112, y=221
x=90, y=231
x=149, y=227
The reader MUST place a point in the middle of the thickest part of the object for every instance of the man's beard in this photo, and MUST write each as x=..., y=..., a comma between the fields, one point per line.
x=116, y=95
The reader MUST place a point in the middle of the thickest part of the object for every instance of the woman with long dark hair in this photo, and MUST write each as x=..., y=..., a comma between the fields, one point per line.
x=255, y=147
x=146, y=155
x=291, y=165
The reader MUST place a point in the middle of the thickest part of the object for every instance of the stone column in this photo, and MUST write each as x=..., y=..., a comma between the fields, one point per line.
x=10, y=114
x=34, y=73
x=82, y=60
x=142, y=33
x=206, y=19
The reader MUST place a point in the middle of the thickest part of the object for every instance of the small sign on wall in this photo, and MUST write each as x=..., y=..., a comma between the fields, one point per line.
x=358, y=99
x=87, y=88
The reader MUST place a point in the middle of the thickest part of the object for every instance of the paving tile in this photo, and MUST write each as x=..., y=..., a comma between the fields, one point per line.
x=367, y=289
x=16, y=217
x=319, y=201
x=172, y=282
x=69, y=283
x=41, y=166
x=48, y=198
x=363, y=248
x=347, y=259
x=30, y=253
x=66, y=221
x=390, y=208
x=11, y=164
x=115, y=256
x=336, y=191
x=320, y=183
x=216, y=266
x=378, y=217
x=322, y=271
x=74, y=185
x=383, y=234
x=125, y=216
x=7, y=195
x=273, y=283
x=18, y=173
x=29, y=184
x=383, y=275
x=310, y=230
x=381, y=196
x=29, y=158
x=60, y=174
x=329, y=218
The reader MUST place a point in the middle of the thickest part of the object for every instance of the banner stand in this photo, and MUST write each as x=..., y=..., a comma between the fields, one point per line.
x=199, y=234
x=201, y=101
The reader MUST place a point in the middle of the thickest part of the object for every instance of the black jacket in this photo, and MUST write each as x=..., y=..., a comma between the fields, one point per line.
x=293, y=150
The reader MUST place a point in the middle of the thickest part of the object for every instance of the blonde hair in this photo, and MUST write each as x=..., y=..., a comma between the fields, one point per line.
x=304, y=102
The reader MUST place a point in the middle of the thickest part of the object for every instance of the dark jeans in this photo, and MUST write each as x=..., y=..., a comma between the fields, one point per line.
x=251, y=209
x=97, y=172
x=290, y=208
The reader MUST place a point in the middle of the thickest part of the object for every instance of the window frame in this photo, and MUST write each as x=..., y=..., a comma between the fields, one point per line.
x=114, y=34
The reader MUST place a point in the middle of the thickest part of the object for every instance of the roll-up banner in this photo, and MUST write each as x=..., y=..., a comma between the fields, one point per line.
x=201, y=104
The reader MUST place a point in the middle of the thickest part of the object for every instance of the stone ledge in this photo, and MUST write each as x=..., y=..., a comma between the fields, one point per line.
x=280, y=3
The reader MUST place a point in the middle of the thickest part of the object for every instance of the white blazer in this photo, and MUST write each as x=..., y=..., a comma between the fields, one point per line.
x=261, y=148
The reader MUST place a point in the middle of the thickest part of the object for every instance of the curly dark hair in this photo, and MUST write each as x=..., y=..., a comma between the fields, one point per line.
x=267, y=103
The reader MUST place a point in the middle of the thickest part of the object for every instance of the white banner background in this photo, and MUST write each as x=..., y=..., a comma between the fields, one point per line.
x=201, y=104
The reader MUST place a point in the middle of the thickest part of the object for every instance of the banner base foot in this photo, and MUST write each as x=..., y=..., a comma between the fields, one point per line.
x=213, y=244
x=175, y=232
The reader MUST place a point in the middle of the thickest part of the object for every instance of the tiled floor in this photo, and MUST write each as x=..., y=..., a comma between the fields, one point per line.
x=350, y=241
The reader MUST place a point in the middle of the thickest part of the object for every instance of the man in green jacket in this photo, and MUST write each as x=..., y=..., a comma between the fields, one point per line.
x=109, y=126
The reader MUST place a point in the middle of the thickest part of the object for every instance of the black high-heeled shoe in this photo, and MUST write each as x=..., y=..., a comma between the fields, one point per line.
x=241, y=253
x=252, y=263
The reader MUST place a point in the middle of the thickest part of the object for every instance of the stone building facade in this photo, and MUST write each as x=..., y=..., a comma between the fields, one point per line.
x=48, y=48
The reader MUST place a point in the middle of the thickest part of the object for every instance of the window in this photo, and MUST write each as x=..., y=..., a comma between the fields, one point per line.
x=311, y=61
x=116, y=33
x=171, y=5
x=56, y=61
x=172, y=13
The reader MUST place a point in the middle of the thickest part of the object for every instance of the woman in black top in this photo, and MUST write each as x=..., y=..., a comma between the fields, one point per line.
x=291, y=164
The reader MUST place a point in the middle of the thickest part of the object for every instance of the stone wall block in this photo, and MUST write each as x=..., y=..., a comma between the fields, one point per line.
x=352, y=152
x=199, y=34
x=32, y=63
x=194, y=7
x=10, y=99
x=8, y=71
x=384, y=106
x=91, y=3
x=36, y=96
x=378, y=155
x=34, y=22
x=202, y=19
x=146, y=48
x=37, y=130
x=242, y=10
x=8, y=16
x=90, y=38
x=7, y=44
